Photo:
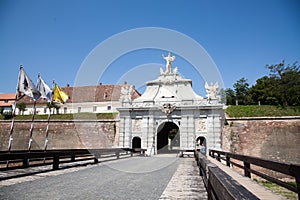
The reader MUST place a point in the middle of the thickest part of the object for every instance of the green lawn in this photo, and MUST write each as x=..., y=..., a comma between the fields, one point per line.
x=280, y=190
x=68, y=116
x=260, y=111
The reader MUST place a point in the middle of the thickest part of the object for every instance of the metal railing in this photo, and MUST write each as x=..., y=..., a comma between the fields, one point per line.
x=292, y=170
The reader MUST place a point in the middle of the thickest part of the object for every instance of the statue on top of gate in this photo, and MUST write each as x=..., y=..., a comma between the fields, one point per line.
x=169, y=59
x=212, y=90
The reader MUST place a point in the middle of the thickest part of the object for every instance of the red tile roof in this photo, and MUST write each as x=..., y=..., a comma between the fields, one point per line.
x=81, y=94
x=7, y=99
x=11, y=96
x=96, y=93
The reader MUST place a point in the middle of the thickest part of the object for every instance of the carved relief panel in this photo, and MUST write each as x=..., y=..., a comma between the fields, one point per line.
x=201, y=125
x=136, y=125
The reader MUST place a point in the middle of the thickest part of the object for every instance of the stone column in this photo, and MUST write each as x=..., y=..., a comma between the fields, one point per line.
x=190, y=132
x=122, y=132
x=128, y=132
x=214, y=131
x=184, y=132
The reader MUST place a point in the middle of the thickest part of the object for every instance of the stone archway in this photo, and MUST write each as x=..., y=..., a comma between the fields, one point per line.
x=201, y=144
x=168, y=138
x=136, y=142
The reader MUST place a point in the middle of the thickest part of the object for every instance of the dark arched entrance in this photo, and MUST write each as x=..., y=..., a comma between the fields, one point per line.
x=168, y=138
x=201, y=144
x=136, y=142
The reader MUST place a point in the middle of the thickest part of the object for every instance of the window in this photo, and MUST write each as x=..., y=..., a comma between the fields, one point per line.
x=108, y=107
x=79, y=109
x=105, y=95
x=94, y=108
x=65, y=110
x=45, y=109
x=5, y=101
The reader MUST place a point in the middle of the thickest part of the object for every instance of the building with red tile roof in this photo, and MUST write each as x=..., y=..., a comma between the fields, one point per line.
x=6, y=101
x=92, y=99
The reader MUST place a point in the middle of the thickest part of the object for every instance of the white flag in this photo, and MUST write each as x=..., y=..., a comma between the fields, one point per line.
x=25, y=86
x=44, y=89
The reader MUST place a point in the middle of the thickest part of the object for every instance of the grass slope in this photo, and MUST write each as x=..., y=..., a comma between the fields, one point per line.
x=88, y=116
x=261, y=111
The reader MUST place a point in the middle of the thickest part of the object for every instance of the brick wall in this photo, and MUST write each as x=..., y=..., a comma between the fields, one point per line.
x=62, y=134
x=276, y=139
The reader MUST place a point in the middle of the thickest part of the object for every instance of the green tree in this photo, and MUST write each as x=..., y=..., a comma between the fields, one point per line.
x=22, y=107
x=1, y=110
x=241, y=88
x=230, y=96
x=53, y=105
x=286, y=83
x=264, y=91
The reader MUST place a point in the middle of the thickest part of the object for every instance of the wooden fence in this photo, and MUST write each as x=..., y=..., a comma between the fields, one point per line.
x=24, y=159
x=292, y=170
x=220, y=185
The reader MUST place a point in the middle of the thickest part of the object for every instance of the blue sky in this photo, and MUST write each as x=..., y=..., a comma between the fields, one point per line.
x=54, y=37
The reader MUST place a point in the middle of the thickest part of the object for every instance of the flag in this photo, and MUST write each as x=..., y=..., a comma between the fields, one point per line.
x=44, y=89
x=26, y=87
x=59, y=95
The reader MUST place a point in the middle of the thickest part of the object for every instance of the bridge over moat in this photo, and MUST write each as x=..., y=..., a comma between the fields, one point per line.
x=163, y=176
x=168, y=118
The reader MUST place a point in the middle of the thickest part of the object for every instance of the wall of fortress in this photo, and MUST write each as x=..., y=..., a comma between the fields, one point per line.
x=276, y=139
x=62, y=134
x=273, y=139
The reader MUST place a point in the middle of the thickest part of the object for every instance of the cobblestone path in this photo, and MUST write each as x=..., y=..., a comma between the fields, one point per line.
x=186, y=182
x=131, y=178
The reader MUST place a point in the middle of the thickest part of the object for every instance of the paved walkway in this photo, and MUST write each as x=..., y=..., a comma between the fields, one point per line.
x=258, y=190
x=186, y=183
x=158, y=177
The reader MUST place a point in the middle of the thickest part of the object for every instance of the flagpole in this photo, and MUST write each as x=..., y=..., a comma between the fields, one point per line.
x=32, y=125
x=48, y=123
x=12, y=126
x=13, y=115
x=47, y=130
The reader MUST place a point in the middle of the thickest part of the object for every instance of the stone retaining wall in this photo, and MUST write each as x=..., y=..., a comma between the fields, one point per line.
x=62, y=134
x=274, y=138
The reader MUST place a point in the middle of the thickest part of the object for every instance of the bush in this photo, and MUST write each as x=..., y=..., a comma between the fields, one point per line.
x=7, y=115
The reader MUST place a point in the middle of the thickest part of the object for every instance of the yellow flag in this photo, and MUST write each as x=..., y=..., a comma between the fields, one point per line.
x=59, y=95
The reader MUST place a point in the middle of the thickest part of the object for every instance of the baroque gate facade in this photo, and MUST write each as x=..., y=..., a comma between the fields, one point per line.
x=170, y=116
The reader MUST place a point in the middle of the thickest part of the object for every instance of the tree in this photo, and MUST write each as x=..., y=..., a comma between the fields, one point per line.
x=287, y=81
x=241, y=88
x=22, y=107
x=281, y=87
x=264, y=91
x=53, y=105
x=1, y=110
x=230, y=96
x=57, y=107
